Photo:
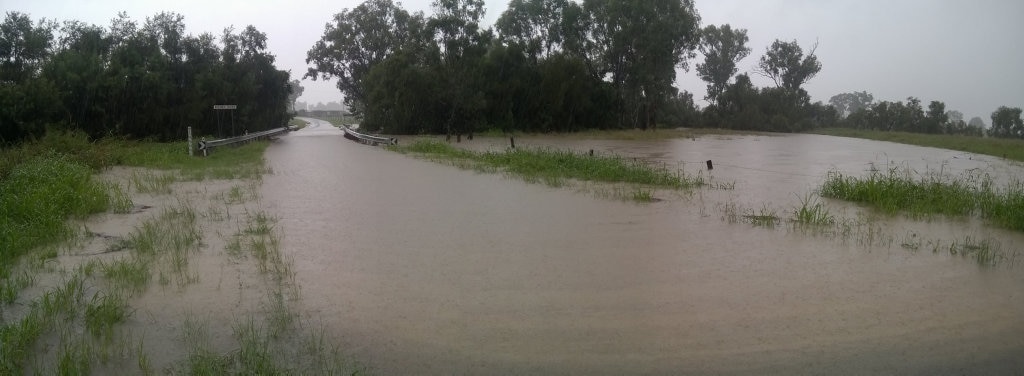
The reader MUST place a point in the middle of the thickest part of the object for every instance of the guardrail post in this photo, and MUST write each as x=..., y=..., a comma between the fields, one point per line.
x=189, y=141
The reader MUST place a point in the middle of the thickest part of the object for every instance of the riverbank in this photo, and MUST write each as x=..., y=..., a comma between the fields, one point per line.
x=179, y=271
x=1011, y=149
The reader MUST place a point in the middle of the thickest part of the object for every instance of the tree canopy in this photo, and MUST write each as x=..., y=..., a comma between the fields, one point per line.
x=148, y=80
x=785, y=64
x=722, y=48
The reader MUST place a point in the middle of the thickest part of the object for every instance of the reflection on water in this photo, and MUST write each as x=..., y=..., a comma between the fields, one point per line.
x=420, y=268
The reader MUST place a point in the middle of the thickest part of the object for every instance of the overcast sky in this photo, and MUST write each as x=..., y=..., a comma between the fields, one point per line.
x=967, y=53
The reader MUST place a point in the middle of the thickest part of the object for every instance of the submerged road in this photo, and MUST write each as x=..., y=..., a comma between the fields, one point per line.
x=415, y=267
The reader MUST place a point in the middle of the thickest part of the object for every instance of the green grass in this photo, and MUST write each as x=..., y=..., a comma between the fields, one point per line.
x=999, y=147
x=150, y=182
x=17, y=338
x=120, y=201
x=131, y=273
x=44, y=182
x=36, y=198
x=626, y=134
x=103, y=312
x=554, y=166
x=932, y=194
x=812, y=212
x=242, y=162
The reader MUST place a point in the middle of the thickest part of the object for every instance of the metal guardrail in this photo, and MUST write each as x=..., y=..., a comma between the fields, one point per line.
x=205, y=146
x=368, y=139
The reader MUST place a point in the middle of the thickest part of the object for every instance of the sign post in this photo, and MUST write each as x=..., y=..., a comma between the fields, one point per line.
x=230, y=107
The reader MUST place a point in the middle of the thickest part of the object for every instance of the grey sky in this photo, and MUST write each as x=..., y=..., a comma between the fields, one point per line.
x=966, y=53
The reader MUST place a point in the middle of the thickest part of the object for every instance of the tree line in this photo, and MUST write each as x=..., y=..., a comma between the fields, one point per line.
x=147, y=80
x=858, y=110
x=552, y=65
x=562, y=66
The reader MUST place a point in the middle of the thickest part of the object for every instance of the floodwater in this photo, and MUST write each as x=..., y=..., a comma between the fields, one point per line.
x=415, y=267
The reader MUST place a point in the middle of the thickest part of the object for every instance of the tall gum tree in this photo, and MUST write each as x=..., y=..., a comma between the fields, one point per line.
x=723, y=47
x=785, y=64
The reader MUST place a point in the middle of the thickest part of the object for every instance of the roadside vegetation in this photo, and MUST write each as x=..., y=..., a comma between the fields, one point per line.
x=63, y=312
x=1008, y=148
x=933, y=194
x=47, y=181
x=554, y=167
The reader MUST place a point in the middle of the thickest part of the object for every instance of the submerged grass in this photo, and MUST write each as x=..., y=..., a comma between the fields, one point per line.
x=896, y=192
x=764, y=217
x=44, y=182
x=554, y=166
x=629, y=134
x=812, y=212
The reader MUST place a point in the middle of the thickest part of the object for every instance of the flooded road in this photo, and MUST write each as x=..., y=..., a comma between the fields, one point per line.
x=415, y=267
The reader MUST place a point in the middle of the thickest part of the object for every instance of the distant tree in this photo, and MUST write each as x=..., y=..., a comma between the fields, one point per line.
x=821, y=115
x=976, y=121
x=955, y=116
x=722, y=48
x=955, y=123
x=1006, y=122
x=935, y=119
x=785, y=64
x=910, y=116
x=975, y=127
x=296, y=92
x=680, y=111
x=848, y=103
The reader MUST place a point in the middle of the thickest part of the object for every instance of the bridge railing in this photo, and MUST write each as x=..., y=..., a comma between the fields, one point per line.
x=205, y=146
x=368, y=139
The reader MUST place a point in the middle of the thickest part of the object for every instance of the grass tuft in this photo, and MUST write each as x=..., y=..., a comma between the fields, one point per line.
x=812, y=212
x=932, y=194
x=765, y=217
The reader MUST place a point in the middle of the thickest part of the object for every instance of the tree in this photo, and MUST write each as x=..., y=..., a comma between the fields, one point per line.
x=848, y=103
x=722, y=48
x=357, y=40
x=536, y=26
x=976, y=122
x=955, y=123
x=785, y=64
x=975, y=127
x=296, y=92
x=462, y=45
x=1006, y=122
x=641, y=45
x=910, y=116
x=23, y=47
x=936, y=119
x=148, y=81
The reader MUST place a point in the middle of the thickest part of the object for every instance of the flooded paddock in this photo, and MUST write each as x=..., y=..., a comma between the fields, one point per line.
x=416, y=267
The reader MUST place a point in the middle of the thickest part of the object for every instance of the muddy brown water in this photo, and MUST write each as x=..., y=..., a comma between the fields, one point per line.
x=416, y=267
